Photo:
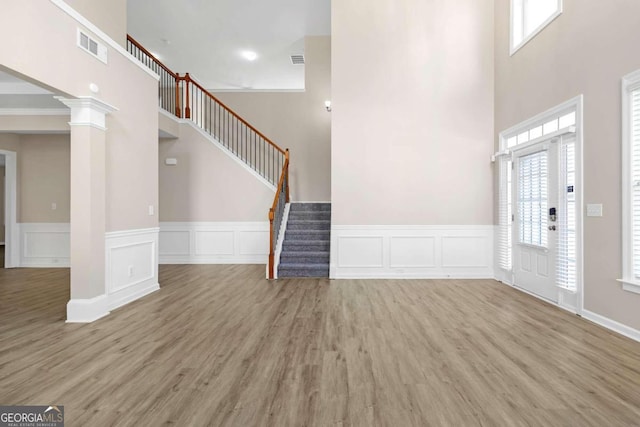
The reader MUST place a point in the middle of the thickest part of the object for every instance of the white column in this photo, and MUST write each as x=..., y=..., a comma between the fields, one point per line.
x=88, y=209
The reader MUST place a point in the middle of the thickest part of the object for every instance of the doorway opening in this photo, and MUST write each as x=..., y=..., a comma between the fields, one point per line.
x=8, y=209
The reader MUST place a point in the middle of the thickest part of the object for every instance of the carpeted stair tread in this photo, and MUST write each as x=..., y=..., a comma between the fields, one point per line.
x=298, y=257
x=309, y=225
x=305, y=250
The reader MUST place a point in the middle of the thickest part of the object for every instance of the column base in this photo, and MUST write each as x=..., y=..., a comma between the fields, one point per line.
x=87, y=310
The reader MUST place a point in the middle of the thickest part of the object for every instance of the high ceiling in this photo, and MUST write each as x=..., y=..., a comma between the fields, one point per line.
x=207, y=38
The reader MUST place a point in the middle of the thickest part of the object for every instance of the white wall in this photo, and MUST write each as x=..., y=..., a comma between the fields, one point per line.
x=412, y=126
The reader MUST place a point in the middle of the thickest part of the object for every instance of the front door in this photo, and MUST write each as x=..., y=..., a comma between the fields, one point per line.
x=535, y=177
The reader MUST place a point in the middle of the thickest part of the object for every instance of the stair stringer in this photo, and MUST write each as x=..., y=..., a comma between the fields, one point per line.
x=278, y=250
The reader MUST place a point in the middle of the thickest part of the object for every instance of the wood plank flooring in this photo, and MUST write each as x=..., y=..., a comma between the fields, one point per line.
x=220, y=346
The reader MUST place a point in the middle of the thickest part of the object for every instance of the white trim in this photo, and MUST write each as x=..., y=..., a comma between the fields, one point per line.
x=169, y=115
x=540, y=119
x=87, y=310
x=87, y=111
x=228, y=152
x=34, y=112
x=513, y=49
x=280, y=241
x=44, y=244
x=102, y=35
x=574, y=104
x=411, y=251
x=131, y=265
x=630, y=285
x=214, y=243
x=630, y=83
x=612, y=325
x=12, y=231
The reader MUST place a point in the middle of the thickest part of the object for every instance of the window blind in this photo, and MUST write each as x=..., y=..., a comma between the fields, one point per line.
x=566, y=215
x=504, y=215
x=635, y=179
x=533, y=198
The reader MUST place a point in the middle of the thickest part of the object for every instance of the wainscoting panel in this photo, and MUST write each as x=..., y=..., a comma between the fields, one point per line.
x=214, y=242
x=131, y=269
x=412, y=251
x=44, y=245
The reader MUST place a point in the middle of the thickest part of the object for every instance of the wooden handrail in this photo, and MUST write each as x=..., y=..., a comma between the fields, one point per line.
x=149, y=54
x=272, y=211
x=190, y=79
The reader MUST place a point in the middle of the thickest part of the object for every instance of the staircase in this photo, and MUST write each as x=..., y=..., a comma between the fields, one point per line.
x=305, y=250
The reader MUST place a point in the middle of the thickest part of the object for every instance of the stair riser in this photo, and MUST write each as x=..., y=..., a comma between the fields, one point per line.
x=310, y=207
x=305, y=247
x=309, y=226
x=316, y=216
x=297, y=259
x=320, y=273
x=308, y=234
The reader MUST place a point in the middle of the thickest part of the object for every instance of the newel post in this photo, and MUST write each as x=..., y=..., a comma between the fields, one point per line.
x=187, y=109
x=271, y=253
x=178, y=110
x=286, y=174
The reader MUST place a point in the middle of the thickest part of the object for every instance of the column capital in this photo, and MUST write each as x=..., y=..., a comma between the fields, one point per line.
x=87, y=111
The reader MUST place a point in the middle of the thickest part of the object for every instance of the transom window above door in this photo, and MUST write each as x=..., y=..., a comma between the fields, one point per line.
x=529, y=17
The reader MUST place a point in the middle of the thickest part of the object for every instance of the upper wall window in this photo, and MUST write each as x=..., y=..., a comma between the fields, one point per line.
x=529, y=17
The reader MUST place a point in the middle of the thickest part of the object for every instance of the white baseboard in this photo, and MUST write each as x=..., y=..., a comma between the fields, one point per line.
x=131, y=265
x=214, y=242
x=411, y=251
x=44, y=245
x=87, y=310
x=618, y=327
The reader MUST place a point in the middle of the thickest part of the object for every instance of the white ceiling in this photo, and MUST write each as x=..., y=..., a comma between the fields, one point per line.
x=207, y=37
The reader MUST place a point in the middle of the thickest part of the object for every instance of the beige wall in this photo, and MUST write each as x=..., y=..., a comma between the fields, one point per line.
x=42, y=176
x=110, y=16
x=412, y=86
x=297, y=121
x=585, y=51
x=2, y=225
x=207, y=185
x=132, y=136
x=43, y=124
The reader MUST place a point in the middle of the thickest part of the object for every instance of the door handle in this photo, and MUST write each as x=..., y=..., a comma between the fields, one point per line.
x=552, y=227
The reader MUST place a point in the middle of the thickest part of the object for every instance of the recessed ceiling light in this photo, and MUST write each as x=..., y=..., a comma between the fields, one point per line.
x=249, y=55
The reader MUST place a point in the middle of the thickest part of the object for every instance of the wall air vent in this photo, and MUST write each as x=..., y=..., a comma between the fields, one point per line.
x=90, y=45
x=297, y=59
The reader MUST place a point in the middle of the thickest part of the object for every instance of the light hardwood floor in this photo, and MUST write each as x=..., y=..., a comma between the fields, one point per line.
x=219, y=345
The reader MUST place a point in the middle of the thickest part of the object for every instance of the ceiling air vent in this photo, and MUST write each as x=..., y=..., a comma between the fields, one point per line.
x=297, y=59
x=90, y=45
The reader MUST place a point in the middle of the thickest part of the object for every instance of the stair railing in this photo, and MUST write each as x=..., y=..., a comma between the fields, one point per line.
x=186, y=98
x=169, y=95
x=276, y=213
x=233, y=132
